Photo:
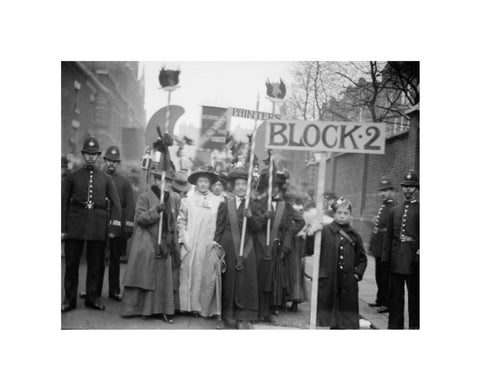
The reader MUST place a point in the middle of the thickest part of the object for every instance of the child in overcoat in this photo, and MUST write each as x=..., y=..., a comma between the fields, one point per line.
x=342, y=264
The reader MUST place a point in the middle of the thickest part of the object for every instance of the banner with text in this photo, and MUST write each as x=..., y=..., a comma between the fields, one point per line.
x=251, y=114
x=347, y=137
x=213, y=133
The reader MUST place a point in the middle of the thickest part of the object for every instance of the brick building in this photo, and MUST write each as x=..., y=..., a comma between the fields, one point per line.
x=105, y=99
x=356, y=176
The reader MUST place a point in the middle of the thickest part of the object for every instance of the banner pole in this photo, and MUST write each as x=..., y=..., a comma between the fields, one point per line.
x=249, y=182
x=318, y=240
x=160, y=223
x=270, y=185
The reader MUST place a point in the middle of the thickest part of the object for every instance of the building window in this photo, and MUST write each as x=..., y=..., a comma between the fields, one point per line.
x=399, y=126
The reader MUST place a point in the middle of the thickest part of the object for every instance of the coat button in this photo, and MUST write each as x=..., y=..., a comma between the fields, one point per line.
x=341, y=257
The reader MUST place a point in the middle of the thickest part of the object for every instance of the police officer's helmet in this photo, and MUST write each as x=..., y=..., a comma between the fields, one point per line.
x=410, y=179
x=91, y=146
x=112, y=154
x=385, y=184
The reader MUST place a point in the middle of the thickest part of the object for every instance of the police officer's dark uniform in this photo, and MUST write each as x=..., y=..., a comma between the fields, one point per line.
x=118, y=244
x=401, y=253
x=379, y=228
x=84, y=218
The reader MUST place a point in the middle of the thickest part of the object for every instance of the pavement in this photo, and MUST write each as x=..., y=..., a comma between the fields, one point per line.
x=83, y=318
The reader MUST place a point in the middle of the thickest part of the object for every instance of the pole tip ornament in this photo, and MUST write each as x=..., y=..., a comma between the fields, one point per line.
x=169, y=79
x=276, y=91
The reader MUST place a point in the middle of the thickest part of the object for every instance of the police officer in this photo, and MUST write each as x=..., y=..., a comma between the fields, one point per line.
x=84, y=218
x=117, y=244
x=401, y=254
x=386, y=192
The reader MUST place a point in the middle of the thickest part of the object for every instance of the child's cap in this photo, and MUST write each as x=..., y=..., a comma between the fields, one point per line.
x=341, y=203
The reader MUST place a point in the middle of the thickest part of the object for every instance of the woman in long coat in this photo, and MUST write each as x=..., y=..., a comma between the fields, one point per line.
x=273, y=279
x=239, y=282
x=295, y=264
x=196, y=227
x=342, y=264
x=151, y=275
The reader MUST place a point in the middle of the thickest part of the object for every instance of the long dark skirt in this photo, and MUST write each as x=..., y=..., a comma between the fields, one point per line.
x=239, y=288
x=295, y=270
x=281, y=284
x=163, y=299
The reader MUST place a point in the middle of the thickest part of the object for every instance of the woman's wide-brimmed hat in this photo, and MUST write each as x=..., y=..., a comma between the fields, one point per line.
x=180, y=183
x=205, y=172
x=292, y=194
x=238, y=173
x=170, y=174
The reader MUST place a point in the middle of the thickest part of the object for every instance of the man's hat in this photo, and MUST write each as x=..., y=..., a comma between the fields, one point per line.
x=91, y=146
x=410, y=179
x=112, y=153
x=385, y=184
x=180, y=183
x=169, y=174
x=203, y=171
x=237, y=173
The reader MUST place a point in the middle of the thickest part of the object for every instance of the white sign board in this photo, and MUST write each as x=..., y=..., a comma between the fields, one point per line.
x=347, y=137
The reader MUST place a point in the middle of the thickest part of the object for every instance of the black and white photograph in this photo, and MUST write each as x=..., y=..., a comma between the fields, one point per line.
x=286, y=196
x=203, y=194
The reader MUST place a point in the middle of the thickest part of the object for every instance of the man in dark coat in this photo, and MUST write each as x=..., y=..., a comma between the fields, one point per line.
x=117, y=244
x=401, y=255
x=84, y=219
x=382, y=274
x=239, y=282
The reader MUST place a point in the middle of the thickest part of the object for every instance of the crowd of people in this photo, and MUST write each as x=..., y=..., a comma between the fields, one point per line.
x=201, y=246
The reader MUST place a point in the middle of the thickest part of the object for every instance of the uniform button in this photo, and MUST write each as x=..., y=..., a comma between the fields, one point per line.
x=341, y=257
x=341, y=247
x=341, y=238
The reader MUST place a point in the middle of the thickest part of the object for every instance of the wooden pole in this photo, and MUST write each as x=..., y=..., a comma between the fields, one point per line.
x=160, y=223
x=270, y=186
x=249, y=182
x=318, y=240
